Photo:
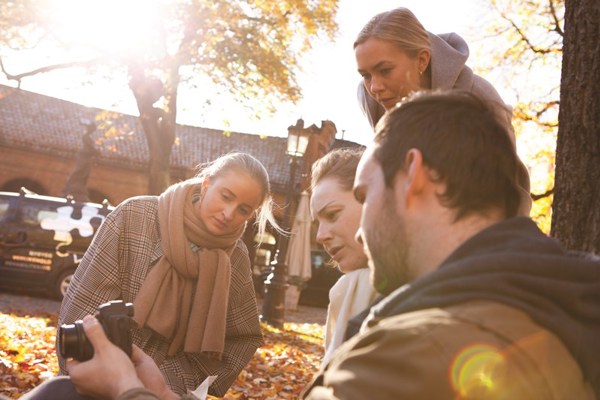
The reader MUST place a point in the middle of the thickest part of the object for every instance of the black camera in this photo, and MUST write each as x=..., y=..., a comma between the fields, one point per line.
x=115, y=318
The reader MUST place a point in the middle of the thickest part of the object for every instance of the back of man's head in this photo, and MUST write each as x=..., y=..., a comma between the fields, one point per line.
x=462, y=141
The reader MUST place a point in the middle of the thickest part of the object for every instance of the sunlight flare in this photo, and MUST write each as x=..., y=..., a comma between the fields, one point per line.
x=113, y=26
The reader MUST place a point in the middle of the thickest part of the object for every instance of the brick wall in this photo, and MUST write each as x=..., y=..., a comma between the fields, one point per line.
x=48, y=174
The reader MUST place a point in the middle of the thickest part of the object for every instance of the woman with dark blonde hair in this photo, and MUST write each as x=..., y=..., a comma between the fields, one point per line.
x=338, y=213
x=396, y=56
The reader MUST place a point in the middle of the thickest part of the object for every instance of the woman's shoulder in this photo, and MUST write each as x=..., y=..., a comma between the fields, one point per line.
x=360, y=272
x=241, y=248
x=485, y=90
x=135, y=209
x=350, y=279
x=138, y=203
x=357, y=276
x=240, y=256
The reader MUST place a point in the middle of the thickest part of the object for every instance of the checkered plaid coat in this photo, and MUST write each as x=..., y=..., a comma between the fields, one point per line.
x=118, y=260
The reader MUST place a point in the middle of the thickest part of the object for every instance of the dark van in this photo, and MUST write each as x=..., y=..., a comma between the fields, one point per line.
x=42, y=239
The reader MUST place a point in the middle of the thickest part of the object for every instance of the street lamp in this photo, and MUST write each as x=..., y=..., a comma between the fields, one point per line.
x=273, y=309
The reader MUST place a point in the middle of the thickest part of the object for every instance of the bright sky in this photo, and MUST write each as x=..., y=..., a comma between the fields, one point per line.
x=328, y=82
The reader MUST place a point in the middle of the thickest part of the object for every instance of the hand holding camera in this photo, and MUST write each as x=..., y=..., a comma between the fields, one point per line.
x=102, y=362
x=109, y=373
x=115, y=317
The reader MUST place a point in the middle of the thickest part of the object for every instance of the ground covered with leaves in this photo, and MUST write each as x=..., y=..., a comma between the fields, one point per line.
x=279, y=370
x=27, y=352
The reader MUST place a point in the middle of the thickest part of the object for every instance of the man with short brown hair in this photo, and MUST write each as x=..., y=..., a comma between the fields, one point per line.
x=479, y=303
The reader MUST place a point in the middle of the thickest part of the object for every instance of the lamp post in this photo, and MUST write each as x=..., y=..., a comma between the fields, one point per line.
x=273, y=309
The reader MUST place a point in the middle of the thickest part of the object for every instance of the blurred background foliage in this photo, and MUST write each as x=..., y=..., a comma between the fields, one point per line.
x=521, y=50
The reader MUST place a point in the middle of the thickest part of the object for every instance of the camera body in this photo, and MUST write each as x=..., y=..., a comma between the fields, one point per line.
x=115, y=318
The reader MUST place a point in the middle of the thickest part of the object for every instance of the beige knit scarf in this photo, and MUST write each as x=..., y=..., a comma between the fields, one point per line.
x=184, y=297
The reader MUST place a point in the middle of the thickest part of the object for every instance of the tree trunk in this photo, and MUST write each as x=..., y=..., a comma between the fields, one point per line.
x=76, y=185
x=158, y=123
x=576, y=208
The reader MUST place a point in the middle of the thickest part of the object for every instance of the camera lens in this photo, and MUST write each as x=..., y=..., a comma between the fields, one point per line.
x=73, y=343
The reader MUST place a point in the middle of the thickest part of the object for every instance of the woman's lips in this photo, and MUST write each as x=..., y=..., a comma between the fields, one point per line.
x=388, y=103
x=334, y=252
x=221, y=224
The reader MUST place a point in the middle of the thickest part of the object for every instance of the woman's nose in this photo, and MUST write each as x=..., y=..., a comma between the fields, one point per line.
x=229, y=212
x=323, y=234
x=376, y=85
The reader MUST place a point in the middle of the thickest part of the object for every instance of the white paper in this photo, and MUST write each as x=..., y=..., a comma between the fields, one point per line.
x=202, y=391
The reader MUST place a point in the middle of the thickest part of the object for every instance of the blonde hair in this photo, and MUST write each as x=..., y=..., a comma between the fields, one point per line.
x=399, y=26
x=247, y=163
x=340, y=164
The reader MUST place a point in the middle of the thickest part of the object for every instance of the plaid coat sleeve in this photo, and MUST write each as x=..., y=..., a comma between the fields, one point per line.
x=98, y=276
x=115, y=266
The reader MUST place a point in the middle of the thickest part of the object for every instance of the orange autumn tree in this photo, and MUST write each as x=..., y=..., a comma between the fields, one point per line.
x=527, y=42
x=248, y=49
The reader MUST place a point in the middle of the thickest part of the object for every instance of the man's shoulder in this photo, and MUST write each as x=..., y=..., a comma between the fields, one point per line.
x=490, y=317
x=502, y=335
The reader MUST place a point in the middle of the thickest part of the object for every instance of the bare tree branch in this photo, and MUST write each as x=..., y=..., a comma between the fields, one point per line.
x=557, y=27
x=46, y=68
x=524, y=37
x=530, y=113
x=547, y=193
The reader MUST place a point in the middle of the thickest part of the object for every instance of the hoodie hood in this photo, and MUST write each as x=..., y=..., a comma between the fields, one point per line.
x=449, y=53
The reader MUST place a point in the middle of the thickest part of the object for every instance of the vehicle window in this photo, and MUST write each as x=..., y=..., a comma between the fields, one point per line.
x=30, y=213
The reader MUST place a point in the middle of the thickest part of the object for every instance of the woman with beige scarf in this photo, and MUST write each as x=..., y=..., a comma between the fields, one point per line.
x=179, y=259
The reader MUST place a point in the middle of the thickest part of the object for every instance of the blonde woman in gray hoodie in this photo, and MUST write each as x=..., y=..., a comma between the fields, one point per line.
x=396, y=56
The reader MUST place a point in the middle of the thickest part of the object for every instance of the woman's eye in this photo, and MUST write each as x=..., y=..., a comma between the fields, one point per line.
x=385, y=71
x=332, y=215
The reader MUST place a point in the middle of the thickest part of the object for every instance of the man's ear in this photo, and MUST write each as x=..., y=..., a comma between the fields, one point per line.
x=410, y=182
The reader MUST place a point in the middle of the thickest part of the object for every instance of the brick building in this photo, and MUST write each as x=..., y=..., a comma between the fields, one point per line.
x=41, y=137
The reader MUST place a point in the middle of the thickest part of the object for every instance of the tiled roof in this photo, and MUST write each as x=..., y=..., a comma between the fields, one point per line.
x=47, y=124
